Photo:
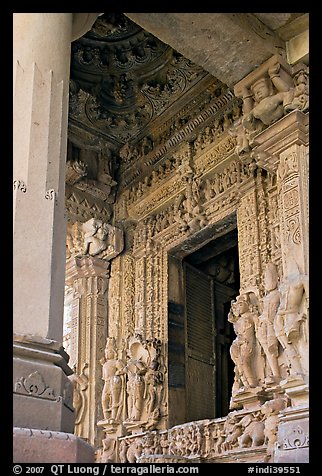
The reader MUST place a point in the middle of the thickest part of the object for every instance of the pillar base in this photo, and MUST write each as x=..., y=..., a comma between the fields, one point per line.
x=39, y=446
x=42, y=392
x=293, y=436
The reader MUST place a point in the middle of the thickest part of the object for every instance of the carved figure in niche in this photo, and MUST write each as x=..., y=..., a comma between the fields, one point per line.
x=218, y=436
x=208, y=441
x=184, y=167
x=194, y=216
x=136, y=370
x=80, y=385
x=113, y=395
x=243, y=347
x=252, y=431
x=291, y=314
x=208, y=191
x=146, y=145
x=263, y=105
x=270, y=411
x=95, y=238
x=265, y=326
x=178, y=212
x=74, y=239
x=153, y=379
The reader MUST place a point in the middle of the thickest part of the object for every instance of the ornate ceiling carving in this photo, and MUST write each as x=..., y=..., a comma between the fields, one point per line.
x=124, y=80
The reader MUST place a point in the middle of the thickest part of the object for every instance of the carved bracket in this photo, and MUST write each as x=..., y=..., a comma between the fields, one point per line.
x=94, y=238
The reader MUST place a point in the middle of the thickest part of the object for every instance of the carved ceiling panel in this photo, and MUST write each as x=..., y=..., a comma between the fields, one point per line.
x=123, y=79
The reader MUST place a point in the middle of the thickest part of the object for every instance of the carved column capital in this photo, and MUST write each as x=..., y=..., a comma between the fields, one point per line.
x=85, y=267
x=272, y=142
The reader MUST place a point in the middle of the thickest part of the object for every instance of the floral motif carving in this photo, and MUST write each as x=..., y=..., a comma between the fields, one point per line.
x=296, y=438
x=19, y=185
x=50, y=194
x=35, y=385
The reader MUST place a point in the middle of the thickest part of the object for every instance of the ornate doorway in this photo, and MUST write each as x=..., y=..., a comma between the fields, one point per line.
x=201, y=287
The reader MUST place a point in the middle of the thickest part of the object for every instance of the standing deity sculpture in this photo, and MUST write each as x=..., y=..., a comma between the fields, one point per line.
x=265, y=325
x=80, y=385
x=113, y=395
x=242, y=350
x=292, y=312
x=135, y=370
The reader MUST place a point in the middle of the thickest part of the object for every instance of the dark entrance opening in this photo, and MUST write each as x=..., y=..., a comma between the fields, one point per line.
x=211, y=281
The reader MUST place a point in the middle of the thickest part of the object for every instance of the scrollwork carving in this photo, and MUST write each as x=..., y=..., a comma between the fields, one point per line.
x=296, y=438
x=35, y=386
x=50, y=194
x=19, y=185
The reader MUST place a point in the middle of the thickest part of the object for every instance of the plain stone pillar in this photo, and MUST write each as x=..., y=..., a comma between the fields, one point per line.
x=41, y=56
x=42, y=391
x=41, y=62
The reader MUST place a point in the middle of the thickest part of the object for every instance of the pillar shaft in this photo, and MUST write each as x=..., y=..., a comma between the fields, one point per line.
x=41, y=78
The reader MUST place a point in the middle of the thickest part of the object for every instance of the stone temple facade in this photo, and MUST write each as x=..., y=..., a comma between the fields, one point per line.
x=161, y=291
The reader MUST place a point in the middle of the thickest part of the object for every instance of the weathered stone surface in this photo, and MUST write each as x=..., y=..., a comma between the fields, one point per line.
x=219, y=42
x=37, y=446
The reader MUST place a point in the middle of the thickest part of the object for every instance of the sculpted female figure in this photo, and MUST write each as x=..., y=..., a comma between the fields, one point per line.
x=114, y=383
x=243, y=348
x=135, y=370
x=291, y=315
x=265, y=327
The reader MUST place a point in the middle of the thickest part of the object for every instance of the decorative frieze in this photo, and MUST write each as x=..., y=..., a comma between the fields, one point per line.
x=207, y=440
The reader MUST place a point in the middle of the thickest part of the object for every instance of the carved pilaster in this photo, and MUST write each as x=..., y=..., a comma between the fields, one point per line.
x=88, y=277
x=249, y=238
x=140, y=295
x=282, y=149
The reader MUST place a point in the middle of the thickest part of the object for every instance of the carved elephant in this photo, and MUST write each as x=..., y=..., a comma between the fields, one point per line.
x=252, y=432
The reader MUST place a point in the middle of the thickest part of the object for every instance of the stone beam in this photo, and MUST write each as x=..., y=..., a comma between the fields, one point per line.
x=82, y=23
x=227, y=45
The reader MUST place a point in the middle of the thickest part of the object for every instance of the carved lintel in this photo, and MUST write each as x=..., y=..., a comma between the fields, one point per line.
x=250, y=398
